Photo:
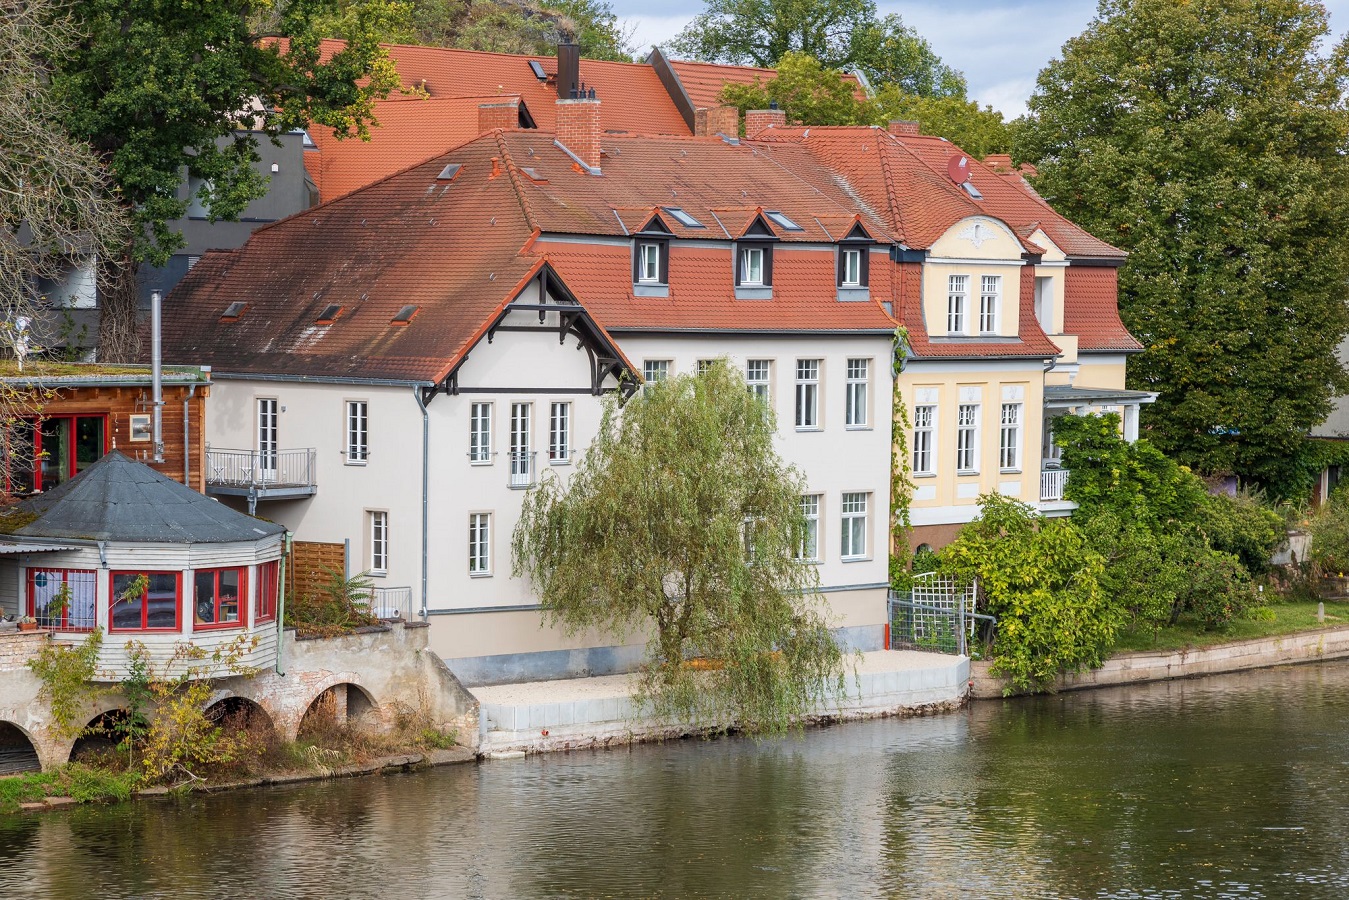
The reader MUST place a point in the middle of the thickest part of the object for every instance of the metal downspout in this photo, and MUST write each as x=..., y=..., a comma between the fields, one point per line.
x=281, y=606
x=426, y=470
x=187, y=435
x=157, y=374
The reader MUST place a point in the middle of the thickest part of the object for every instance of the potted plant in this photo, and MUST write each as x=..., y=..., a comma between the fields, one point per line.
x=27, y=623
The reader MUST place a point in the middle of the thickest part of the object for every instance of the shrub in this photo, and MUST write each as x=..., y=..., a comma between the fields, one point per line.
x=1330, y=536
x=1042, y=580
x=340, y=606
x=1242, y=526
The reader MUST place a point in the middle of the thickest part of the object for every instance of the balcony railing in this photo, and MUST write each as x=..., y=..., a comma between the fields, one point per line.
x=391, y=602
x=1052, y=483
x=522, y=468
x=260, y=469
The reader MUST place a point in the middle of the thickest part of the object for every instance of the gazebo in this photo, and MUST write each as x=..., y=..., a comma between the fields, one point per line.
x=146, y=559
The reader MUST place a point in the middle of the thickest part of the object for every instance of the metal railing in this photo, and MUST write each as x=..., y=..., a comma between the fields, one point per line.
x=391, y=602
x=936, y=615
x=263, y=469
x=1052, y=483
x=522, y=468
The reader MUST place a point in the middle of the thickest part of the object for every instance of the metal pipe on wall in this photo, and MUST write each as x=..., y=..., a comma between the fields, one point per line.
x=157, y=373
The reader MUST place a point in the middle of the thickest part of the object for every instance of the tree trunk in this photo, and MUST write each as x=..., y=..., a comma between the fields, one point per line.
x=118, y=304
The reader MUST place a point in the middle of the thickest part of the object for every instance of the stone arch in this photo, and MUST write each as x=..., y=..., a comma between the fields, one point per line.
x=237, y=713
x=99, y=733
x=18, y=750
x=344, y=704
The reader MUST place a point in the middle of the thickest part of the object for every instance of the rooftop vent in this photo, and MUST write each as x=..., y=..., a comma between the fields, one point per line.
x=405, y=315
x=234, y=311
x=329, y=314
x=683, y=218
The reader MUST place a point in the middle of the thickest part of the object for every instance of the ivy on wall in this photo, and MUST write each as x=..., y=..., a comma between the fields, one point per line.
x=901, y=484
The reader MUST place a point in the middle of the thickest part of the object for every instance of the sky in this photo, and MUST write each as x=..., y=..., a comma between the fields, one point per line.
x=1000, y=45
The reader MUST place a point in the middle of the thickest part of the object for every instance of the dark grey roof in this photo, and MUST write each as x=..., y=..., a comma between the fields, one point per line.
x=1062, y=393
x=119, y=499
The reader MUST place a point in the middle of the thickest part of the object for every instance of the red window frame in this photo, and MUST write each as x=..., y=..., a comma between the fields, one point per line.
x=269, y=577
x=72, y=462
x=30, y=602
x=145, y=601
x=241, y=601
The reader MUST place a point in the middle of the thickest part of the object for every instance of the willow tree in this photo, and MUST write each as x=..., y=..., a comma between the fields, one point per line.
x=681, y=521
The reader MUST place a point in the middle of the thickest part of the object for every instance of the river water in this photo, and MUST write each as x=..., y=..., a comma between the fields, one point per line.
x=1230, y=786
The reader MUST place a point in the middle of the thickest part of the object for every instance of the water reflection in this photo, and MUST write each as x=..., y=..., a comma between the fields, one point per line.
x=1227, y=786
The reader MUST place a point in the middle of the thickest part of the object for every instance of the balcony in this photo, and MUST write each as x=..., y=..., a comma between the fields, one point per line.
x=261, y=475
x=523, y=470
x=1052, y=484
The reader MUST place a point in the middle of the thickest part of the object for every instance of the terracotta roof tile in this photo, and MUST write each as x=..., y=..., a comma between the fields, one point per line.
x=1093, y=311
x=703, y=82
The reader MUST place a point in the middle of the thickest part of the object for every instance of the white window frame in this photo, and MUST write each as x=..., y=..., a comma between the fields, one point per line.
x=656, y=370
x=967, y=439
x=957, y=296
x=522, y=444
x=377, y=526
x=990, y=303
x=759, y=378
x=857, y=397
x=852, y=267
x=649, y=264
x=1044, y=303
x=480, y=433
x=808, y=394
x=268, y=423
x=479, y=544
x=358, y=432
x=924, y=434
x=559, y=433
x=1009, y=438
x=748, y=275
x=853, y=519
x=809, y=549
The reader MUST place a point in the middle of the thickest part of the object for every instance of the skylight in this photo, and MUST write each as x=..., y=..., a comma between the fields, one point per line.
x=234, y=310
x=329, y=314
x=448, y=173
x=537, y=70
x=405, y=315
x=782, y=220
x=972, y=190
x=683, y=218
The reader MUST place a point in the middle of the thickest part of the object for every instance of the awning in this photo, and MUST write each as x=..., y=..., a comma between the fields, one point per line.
x=1067, y=396
x=9, y=547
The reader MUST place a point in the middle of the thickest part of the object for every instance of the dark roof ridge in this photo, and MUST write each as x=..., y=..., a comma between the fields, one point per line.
x=513, y=171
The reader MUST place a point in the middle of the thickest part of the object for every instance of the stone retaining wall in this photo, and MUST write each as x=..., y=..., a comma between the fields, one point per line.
x=1160, y=665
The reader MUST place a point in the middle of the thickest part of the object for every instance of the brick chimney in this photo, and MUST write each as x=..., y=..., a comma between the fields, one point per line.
x=904, y=126
x=717, y=120
x=578, y=129
x=999, y=162
x=756, y=120
x=503, y=114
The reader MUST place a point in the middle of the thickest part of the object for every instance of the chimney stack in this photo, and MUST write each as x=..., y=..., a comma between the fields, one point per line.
x=717, y=120
x=568, y=70
x=756, y=120
x=578, y=129
x=504, y=114
x=904, y=126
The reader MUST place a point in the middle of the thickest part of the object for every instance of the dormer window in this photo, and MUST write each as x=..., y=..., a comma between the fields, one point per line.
x=850, y=267
x=752, y=266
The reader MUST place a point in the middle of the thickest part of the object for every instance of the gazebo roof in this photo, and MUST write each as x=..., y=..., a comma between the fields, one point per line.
x=119, y=499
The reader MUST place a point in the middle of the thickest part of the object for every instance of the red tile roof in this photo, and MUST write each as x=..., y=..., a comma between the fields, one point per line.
x=703, y=82
x=631, y=94
x=408, y=132
x=1092, y=310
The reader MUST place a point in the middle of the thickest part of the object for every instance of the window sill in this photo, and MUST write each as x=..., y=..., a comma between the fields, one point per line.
x=754, y=292
x=560, y=462
x=219, y=626
x=858, y=428
x=1009, y=471
x=969, y=473
x=855, y=559
x=650, y=289
x=808, y=428
x=377, y=573
x=853, y=293
x=355, y=462
x=923, y=474
x=479, y=574
x=480, y=462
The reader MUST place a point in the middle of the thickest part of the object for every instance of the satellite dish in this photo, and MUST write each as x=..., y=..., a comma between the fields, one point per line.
x=958, y=167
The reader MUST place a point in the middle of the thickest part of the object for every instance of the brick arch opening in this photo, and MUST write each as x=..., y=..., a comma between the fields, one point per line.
x=17, y=751
x=101, y=735
x=236, y=714
x=341, y=706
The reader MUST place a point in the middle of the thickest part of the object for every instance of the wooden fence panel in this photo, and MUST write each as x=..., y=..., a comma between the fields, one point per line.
x=307, y=562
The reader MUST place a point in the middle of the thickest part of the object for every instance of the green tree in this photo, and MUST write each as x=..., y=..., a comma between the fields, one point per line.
x=841, y=34
x=1042, y=580
x=1208, y=140
x=682, y=521
x=158, y=88
x=811, y=93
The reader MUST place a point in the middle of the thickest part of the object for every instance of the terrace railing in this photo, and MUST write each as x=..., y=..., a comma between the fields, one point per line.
x=1052, y=484
x=260, y=469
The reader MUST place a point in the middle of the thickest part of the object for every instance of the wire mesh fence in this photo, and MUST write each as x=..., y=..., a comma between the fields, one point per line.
x=936, y=614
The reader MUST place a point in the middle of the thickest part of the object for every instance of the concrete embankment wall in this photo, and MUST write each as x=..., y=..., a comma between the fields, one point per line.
x=540, y=717
x=1160, y=665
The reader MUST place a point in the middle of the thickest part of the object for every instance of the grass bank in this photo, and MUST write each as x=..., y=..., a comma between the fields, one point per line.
x=1267, y=621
